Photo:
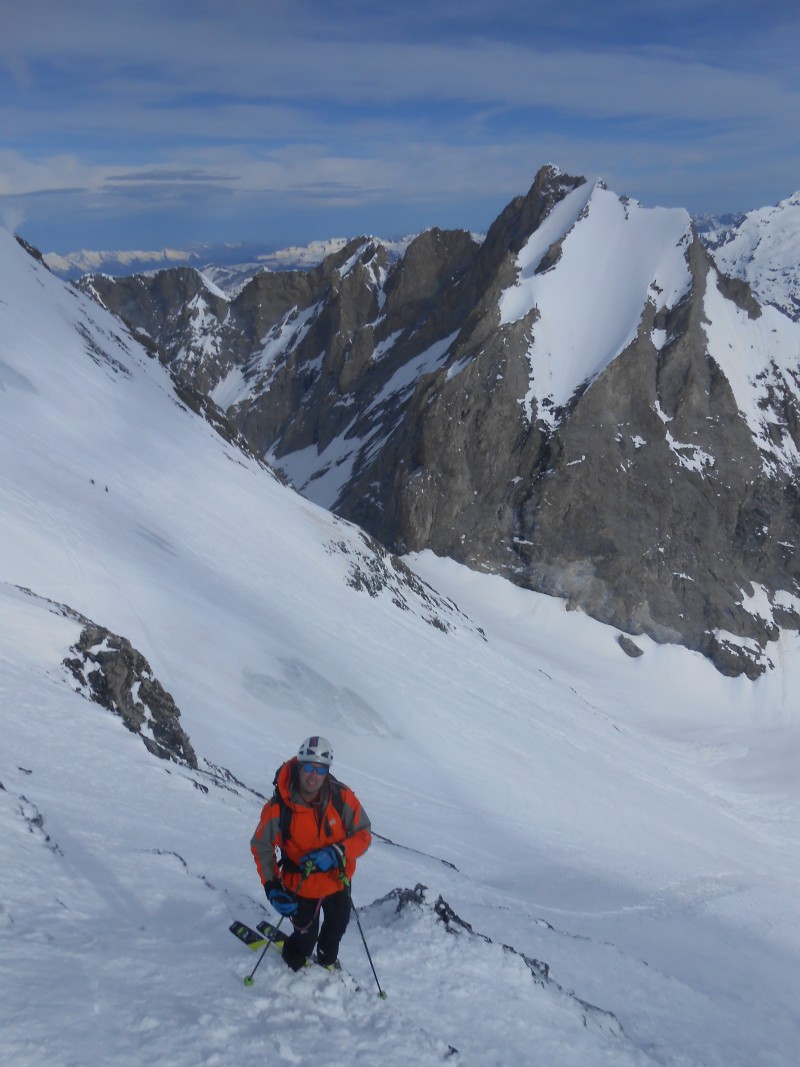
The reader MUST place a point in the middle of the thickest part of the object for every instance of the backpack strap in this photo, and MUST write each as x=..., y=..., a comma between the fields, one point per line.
x=285, y=816
x=337, y=799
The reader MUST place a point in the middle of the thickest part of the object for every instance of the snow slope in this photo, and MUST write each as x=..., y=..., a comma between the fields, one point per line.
x=630, y=823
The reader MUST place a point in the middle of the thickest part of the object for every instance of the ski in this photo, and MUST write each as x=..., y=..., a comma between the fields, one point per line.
x=253, y=940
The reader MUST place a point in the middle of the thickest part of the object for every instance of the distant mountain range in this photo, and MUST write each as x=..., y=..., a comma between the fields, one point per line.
x=583, y=401
x=229, y=266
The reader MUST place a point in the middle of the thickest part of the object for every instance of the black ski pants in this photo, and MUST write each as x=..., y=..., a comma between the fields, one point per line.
x=336, y=915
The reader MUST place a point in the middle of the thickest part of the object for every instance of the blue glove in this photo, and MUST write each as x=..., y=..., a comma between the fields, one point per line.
x=284, y=903
x=324, y=859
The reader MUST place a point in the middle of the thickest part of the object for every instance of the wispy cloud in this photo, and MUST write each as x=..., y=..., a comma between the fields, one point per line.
x=163, y=174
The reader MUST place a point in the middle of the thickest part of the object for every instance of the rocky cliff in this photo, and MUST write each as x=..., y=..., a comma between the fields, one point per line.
x=581, y=402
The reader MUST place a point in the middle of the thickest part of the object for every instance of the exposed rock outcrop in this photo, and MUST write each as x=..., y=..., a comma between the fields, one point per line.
x=111, y=672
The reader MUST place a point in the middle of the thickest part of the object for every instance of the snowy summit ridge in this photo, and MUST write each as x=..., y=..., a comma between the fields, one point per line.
x=641, y=254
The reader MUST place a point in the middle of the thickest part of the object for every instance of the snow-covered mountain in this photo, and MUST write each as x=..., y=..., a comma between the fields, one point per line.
x=582, y=402
x=73, y=264
x=627, y=827
x=763, y=248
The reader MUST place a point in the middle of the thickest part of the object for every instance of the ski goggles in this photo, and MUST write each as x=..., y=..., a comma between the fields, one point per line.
x=313, y=768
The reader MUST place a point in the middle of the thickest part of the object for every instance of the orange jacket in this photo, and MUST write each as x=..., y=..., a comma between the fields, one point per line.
x=309, y=829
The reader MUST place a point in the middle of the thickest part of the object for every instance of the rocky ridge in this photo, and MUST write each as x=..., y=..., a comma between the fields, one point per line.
x=582, y=402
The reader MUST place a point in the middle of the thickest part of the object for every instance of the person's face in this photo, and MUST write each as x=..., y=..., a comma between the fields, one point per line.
x=310, y=779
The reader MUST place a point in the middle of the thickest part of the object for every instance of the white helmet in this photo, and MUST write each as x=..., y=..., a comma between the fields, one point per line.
x=316, y=750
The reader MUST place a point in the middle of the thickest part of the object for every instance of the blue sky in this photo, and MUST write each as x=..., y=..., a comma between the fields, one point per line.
x=155, y=123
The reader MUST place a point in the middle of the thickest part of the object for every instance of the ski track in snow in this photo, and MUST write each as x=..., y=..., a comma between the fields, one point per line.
x=633, y=824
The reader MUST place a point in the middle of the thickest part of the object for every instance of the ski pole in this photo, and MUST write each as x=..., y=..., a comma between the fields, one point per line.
x=347, y=890
x=249, y=979
x=381, y=993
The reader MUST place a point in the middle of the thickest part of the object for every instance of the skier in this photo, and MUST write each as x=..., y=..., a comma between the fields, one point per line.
x=321, y=829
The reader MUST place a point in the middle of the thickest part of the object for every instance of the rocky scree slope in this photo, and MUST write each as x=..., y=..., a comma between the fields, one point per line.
x=582, y=403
